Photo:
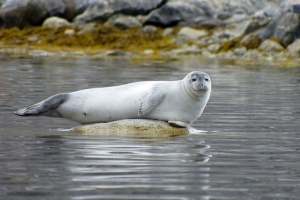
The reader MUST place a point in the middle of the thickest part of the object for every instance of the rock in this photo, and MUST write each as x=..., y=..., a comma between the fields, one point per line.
x=15, y=13
x=270, y=46
x=148, y=52
x=55, y=23
x=186, y=49
x=148, y=29
x=22, y=13
x=116, y=53
x=240, y=51
x=131, y=127
x=189, y=34
x=174, y=12
x=290, y=6
x=70, y=10
x=39, y=53
x=168, y=31
x=103, y=9
x=123, y=21
x=88, y=28
x=33, y=38
x=251, y=41
x=214, y=48
x=69, y=32
x=287, y=28
x=227, y=8
x=206, y=22
x=294, y=48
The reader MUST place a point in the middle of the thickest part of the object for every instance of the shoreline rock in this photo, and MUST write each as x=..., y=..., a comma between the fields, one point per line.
x=238, y=30
x=132, y=128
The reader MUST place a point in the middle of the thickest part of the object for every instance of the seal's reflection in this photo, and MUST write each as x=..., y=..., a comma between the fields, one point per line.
x=114, y=166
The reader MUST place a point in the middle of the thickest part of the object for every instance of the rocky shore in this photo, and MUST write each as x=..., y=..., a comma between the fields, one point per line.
x=242, y=30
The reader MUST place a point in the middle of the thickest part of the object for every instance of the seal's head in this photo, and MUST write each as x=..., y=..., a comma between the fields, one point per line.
x=197, y=83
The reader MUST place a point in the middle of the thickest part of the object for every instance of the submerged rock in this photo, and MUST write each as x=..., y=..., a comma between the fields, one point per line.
x=131, y=127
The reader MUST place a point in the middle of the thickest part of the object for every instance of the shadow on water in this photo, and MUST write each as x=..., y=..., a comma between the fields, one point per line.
x=250, y=149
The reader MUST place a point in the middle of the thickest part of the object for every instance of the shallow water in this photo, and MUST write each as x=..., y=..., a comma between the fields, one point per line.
x=251, y=149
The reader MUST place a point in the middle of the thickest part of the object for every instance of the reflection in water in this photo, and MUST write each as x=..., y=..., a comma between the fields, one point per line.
x=250, y=125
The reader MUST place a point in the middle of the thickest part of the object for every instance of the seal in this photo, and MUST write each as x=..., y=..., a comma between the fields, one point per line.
x=179, y=103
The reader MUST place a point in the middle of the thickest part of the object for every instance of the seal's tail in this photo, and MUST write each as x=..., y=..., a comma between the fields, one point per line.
x=46, y=107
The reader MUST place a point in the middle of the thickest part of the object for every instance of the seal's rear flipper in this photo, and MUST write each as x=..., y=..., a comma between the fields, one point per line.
x=46, y=107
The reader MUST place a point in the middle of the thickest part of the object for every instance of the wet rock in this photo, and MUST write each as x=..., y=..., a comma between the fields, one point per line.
x=116, y=53
x=294, y=48
x=55, y=23
x=270, y=46
x=88, y=28
x=252, y=40
x=175, y=12
x=39, y=53
x=148, y=29
x=22, y=13
x=240, y=51
x=123, y=21
x=287, y=28
x=103, y=9
x=189, y=34
x=131, y=127
x=168, y=31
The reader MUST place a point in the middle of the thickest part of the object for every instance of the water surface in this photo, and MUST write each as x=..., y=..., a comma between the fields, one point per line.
x=251, y=149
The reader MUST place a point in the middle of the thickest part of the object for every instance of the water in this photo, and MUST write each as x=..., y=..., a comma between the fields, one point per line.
x=251, y=149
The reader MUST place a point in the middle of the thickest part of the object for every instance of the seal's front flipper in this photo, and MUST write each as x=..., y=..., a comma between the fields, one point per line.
x=46, y=107
x=154, y=98
x=178, y=124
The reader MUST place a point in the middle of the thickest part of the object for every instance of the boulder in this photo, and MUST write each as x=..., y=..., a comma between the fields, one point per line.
x=131, y=127
x=189, y=34
x=287, y=28
x=294, y=48
x=103, y=9
x=240, y=51
x=168, y=31
x=55, y=23
x=123, y=21
x=174, y=12
x=270, y=46
x=22, y=13
x=290, y=6
x=148, y=29
x=88, y=28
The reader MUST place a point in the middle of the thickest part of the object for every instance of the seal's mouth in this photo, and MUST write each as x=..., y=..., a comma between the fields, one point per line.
x=200, y=90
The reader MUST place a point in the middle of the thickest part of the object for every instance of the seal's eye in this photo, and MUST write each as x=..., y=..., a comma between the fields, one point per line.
x=206, y=79
x=194, y=79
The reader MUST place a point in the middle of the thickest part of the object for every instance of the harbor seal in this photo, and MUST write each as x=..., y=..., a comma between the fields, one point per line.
x=179, y=103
